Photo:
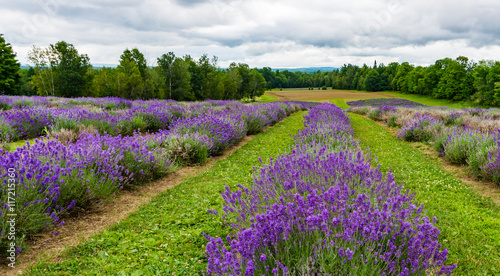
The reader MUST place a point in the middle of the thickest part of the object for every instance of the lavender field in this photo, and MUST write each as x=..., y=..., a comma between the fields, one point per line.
x=323, y=207
x=469, y=136
x=95, y=147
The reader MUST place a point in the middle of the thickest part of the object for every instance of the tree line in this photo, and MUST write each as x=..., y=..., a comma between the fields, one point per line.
x=60, y=70
x=453, y=79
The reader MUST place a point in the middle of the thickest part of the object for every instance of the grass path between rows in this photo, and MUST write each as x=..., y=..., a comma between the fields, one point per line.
x=469, y=223
x=164, y=237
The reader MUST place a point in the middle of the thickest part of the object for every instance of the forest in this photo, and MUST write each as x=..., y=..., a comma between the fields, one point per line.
x=60, y=70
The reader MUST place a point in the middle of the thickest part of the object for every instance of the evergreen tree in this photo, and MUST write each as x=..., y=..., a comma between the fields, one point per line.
x=9, y=69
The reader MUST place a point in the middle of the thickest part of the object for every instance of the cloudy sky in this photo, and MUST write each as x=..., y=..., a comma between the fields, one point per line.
x=278, y=33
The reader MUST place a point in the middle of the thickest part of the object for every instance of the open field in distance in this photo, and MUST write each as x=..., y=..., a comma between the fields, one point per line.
x=304, y=94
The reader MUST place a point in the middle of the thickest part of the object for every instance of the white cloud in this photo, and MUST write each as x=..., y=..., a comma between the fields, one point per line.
x=261, y=32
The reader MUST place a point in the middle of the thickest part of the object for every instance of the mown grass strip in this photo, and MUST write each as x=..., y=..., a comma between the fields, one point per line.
x=427, y=100
x=165, y=236
x=340, y=103
x=266, y=98
x=469, y=223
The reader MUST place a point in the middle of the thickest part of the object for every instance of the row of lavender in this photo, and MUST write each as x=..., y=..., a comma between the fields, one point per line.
x=108, y=103
x=27, y=121
x=323, y=210
x=51, y=177
x=468, y=136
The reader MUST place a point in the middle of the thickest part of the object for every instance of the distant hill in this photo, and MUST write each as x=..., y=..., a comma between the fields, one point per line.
x=93, y=65
x=304, y=69
x=307, y=69
x=98, y=65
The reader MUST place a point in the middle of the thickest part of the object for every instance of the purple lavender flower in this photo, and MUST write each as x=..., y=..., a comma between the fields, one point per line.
x=324, y=204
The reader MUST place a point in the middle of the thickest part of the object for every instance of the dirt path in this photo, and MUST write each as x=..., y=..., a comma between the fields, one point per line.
x=100, y=217
x=297, y=95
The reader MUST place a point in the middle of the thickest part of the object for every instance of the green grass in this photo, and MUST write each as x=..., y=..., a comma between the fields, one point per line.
x=19, y=144
x=340, y=103
x=165, y=235
x=267, y=98
x=430, y=101
x=469, y=223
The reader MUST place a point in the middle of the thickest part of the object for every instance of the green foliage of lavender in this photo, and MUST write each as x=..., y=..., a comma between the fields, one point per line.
x=324, y=210
x=420, y=129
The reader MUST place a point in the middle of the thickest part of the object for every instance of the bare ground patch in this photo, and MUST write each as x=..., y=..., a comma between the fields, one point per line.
x=297, y=95
x=90, y=221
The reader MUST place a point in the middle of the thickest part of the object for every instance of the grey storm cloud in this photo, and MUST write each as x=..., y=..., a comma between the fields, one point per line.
x=287, y=33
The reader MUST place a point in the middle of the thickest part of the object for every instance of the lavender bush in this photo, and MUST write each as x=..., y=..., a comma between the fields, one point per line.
x=460, y=144
x=23, y=123
x=324, y=210
x=224, y=131
x=421, y=128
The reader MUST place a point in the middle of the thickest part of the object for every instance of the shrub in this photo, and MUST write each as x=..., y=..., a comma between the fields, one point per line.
x=186, y=149
x=5, y=106
x=256, y=122
x=392, y=121
x=22, y=104
x=460, y=144
x=27, y=123
x=421, y=128
x=491, y=168
x=223, y=131
x=479, y=159
x=64, y=123
x=128, y=127
x=7, y=133
x=110, y=106
x=374, y=114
